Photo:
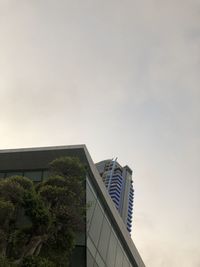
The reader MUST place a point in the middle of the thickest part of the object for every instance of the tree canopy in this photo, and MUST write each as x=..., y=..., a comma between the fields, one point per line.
x=38, y=221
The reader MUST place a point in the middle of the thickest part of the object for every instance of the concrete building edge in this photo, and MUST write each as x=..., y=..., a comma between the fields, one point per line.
x=99, y=186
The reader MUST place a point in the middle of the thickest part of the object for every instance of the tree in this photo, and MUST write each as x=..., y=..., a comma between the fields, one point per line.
x=38, y=222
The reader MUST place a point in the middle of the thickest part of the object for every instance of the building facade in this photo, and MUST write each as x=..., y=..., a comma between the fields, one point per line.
x=119, y=184
x=105, y=241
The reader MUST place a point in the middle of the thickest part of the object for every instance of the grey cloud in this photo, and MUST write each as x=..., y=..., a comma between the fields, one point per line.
x=123, y=78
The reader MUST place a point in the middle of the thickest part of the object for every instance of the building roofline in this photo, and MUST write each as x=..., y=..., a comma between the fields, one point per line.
x=100, y=187
x=122, y=167
x=46, y=148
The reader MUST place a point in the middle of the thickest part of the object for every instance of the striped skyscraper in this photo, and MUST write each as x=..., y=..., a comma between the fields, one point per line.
x=118, y=181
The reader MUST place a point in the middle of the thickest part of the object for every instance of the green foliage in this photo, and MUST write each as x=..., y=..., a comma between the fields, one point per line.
x=59, y=247
x=35, y=209
x=6, y=211
x=4, y=262
x=33, y=261
x=11, y=191
x=17, y=242
x=24, y=182
x=67, y=166
x=37, y=222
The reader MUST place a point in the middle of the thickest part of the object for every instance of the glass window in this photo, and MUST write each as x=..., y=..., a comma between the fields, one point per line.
x=125, y=263
x=45, y=175
x=35, y=176
x=9, y=174
x=104, y=243
x=2, y=174
x=90, y=259
x=78, y=257
x=112, y=250
x=91, y=246
x=119, y=256
x=95, y=227
x=91, y=201
x=99, y=260
x=104, y=238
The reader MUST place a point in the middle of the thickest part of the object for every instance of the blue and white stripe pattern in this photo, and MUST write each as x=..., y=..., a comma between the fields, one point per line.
x=115, y=183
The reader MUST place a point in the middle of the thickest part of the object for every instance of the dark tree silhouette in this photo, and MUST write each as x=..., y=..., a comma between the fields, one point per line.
x=38, y=222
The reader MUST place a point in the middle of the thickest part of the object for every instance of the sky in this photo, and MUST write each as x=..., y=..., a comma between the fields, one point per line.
x=123, y=78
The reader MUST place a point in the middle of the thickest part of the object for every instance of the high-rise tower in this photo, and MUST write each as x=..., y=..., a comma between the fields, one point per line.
x=118, y=181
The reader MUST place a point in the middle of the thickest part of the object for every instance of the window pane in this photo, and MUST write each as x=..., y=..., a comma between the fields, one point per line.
x=91, y=201
x=119, y=257
x=91, y=246
x=78, y=257
x=45, y=175
x=104, y=238
x=96, y=222
x=2, y=174
x=112, y=250
x=9, y=174
x=99, y=260
x=90, y=259
x=125, y=263
x=35, y=176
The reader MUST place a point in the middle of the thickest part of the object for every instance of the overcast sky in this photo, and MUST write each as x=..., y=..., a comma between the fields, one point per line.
x=122, y=77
